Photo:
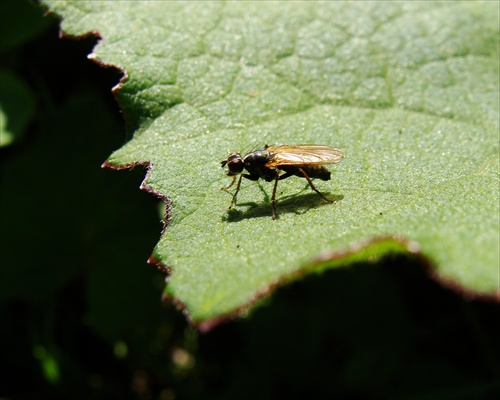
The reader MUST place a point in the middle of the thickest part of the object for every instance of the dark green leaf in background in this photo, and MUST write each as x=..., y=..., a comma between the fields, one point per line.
x=408, y=90
x=17, y=105
x=19, y=23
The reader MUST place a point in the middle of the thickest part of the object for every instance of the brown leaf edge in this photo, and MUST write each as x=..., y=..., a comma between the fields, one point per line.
x=367, y=251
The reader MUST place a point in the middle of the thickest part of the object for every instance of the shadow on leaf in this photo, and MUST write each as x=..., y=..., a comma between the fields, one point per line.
x=296, y=204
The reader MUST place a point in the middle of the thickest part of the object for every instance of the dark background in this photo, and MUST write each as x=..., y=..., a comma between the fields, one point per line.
x=80, y=310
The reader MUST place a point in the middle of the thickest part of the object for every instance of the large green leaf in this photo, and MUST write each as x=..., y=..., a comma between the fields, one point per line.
x=408, y=90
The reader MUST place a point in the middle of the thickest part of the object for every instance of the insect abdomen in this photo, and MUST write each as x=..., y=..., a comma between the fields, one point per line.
x=314, y=171
x=317, y=171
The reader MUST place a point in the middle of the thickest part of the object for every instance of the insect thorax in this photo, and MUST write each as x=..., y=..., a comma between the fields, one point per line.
x=255, y=164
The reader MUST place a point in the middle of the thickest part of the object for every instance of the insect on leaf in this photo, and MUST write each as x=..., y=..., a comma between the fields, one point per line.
x=408, y=91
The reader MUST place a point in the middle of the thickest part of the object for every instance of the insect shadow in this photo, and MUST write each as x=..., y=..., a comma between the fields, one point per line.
x=297, y=204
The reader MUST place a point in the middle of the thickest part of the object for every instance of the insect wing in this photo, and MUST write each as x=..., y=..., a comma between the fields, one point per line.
x=303, y=154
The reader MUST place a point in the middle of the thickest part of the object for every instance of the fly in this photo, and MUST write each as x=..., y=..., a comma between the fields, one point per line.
x=302, y=160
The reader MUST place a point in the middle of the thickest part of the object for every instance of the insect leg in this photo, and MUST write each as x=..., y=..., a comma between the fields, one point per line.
x=231, y=184
x=274, y=194
x=235, y=193
x=313, y=188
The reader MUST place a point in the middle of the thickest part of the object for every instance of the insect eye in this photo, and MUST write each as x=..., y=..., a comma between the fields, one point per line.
x=234, y=163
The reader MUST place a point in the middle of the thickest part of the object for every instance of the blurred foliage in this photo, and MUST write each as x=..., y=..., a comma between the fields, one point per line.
x=20, y=22
x=81, y=318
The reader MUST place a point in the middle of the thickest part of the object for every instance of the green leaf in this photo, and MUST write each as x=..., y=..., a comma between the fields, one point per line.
x=408, y=90
x=17, y=106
